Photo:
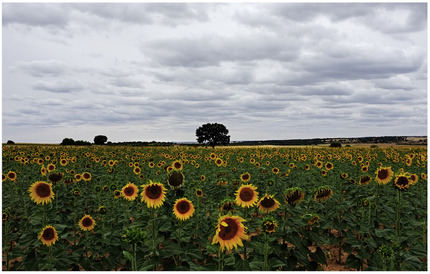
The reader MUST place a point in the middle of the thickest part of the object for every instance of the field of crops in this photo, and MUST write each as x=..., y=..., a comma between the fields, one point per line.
x=228, y=208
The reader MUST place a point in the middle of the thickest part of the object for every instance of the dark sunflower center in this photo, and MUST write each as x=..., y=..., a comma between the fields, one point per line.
x=86, y=175
x=293, y=197
x=129, y=191
x=153, y=192
x=183, y=207
x=270, y=226
x=402, y=181
x=117, y=194
x=11, y=175
x=229, y=232
x=87, y=222
x=48, y=234
x=267, y=202
x=383, y=174
x=323, y=193
x=43, y=190
x=365, y=179
x=176, y=179
x=245, y=176
x=246, y=194
x=199, y=192
x=177, y=165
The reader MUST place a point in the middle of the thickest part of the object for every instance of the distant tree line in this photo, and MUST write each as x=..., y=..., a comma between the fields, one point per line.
x=102, y=140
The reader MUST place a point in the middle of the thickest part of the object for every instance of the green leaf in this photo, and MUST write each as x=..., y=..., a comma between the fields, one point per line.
x=319, y=256
x=242, y=265
x=291, y=263
x=229, y=260
x=411, y=263
x=127, y=255
x=275, y=263
x=353, y=261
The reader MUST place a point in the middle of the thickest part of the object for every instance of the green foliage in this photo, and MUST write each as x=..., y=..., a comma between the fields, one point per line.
x=213, y=133
x=100, y=140
x=67, y=142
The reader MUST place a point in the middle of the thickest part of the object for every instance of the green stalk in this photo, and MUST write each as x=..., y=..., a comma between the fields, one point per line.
x=134, y=262
x=398, y=216
x=220, y=260
x=266, y=253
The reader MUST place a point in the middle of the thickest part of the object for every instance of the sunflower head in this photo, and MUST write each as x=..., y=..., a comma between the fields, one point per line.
x=311, y=218
x=199, y=192
x=5, y=216
x=41, y=192
x=323, y=193
x=48, y=235
x=86, y=176
x=245, y=177
x=175, y=179
x=269, y=225
x=383, y=175
x=365, y=180
x=11, y=175
x=102, y=210
x=268, y=204
x=227, y=206
x=87, y=223
x=246, y=196
x=153, y=194
x=230, y=232
x=294, y=195
x=129, y=192
x=116, y=194
x=76, y=192
x=402, y=181
x=183, y=209
x=177, y=165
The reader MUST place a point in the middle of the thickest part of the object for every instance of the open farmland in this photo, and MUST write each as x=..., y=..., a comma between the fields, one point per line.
x=228, y=208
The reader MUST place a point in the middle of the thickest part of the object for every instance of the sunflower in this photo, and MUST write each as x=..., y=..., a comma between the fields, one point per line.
x=226, y=206
x=275, y=170
x=268, y=204
x=3, y=177
x=199, y=192
x=313, y=218
x=102, y=210
x=218, y=161
x=137, y=170
x=78, y=177
x=77, y=192
x=246, y=196
x=50, y=167
x=384, y=175
x=11, y=175
x=48, y=235
x=245, y=177
x=116, y=194
x=269, y=225
x=87, y=223
x=153, y=194
x=175, y=179
x=55, y=177
x=86, y=176
x=230, y=232
x=130, y=191
x=183, y=209
x=329, y=166
x=365, y=180
x=293, y=195
x=5, y=216
x=41, y=192
x=202, y=178
x=323, y=193
x=402, y=182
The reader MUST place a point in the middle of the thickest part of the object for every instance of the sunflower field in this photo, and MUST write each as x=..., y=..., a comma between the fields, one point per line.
x=225, y=209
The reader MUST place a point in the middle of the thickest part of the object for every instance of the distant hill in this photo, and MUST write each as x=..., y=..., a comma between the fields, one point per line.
x=398, y=140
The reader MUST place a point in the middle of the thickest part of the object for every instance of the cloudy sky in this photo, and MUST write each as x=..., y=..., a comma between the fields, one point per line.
x=158, y=71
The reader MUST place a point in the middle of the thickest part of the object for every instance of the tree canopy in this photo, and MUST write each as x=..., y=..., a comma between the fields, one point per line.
x=100, y=140
x=213, y=133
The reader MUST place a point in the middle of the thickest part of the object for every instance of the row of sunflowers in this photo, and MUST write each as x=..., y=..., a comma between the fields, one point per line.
x=229, y=208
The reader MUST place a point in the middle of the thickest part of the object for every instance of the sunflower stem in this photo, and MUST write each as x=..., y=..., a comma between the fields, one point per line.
x=220, y=260
x=266, y=253
x=50, y=258
x=153, y=236
x=398, y=215
x=134, y=262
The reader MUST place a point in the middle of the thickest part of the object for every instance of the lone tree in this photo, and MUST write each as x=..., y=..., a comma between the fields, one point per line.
x=214, y=134
x=67, y=142
x=100, y=140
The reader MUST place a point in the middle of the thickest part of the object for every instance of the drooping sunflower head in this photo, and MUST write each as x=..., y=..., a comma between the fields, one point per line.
x=247, y=196
x=268, y=204
x=383, y=175
x=87, y=223
x=230, y=232
x=365, y=180
x=153, y=194
x=175, y=179
x=227, y=206
x=245, y=177
x=402, y=182
x=323, y=193
x=311, y=218
x=294, y=195
x=183, y=209
x=48, y=235
x=129, y=191
x=41, y=192
x=269, y=225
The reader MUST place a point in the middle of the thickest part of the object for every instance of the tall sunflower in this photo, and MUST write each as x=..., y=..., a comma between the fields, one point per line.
x=153, y=194
x=87, y=223
x=130, y=191
x=247, y=196
x=41, y=192
x=183, y=209
x=402, y=181
x=268, y=204
x=230, y=232
x=48, y=235
x=384, y=175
